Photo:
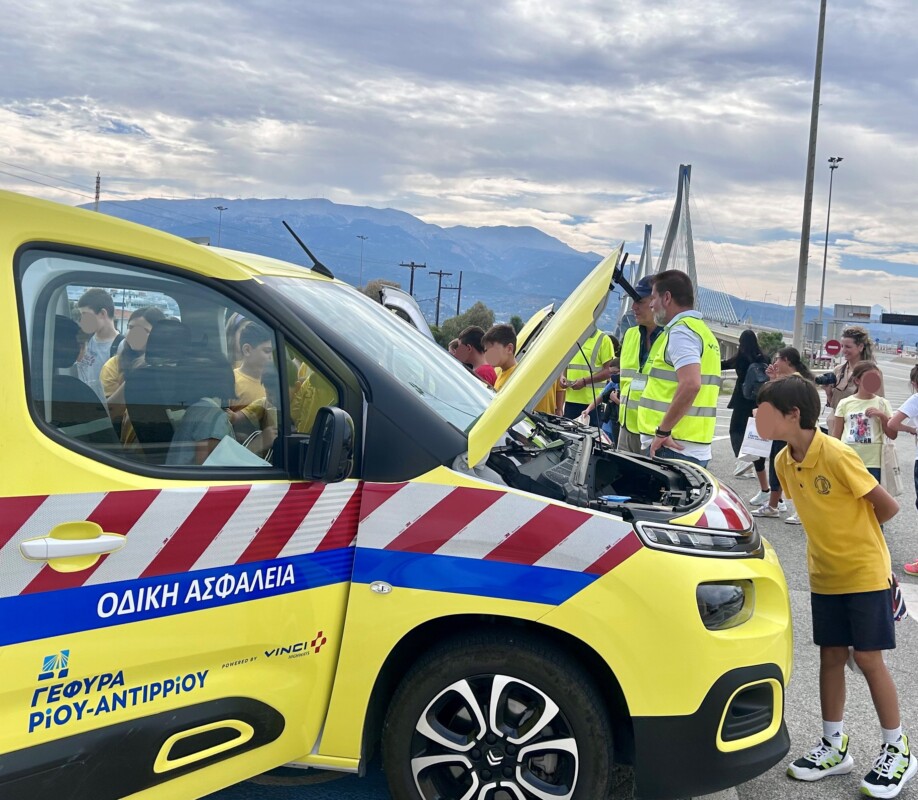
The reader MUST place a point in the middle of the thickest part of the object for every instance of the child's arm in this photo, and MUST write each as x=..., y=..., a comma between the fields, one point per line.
x=835, y=427
x=897, y=423
x=885, y=506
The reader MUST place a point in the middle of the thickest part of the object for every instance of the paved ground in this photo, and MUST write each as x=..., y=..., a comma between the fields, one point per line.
x=802, y=706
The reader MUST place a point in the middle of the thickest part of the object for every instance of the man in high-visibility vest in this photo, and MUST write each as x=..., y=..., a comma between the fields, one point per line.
x=588, y=366
x=678, y=409
x=637, y=348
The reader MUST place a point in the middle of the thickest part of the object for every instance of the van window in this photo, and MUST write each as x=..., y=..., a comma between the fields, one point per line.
x=310, y=390
x=431, y=373
x=147, y=367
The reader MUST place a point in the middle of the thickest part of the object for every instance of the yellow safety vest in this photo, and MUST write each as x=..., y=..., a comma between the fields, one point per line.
x=633, y=378
x=698, y=423
x=598, y=350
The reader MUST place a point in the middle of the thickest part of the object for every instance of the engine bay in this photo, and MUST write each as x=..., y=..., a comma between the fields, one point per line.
x=560, y=459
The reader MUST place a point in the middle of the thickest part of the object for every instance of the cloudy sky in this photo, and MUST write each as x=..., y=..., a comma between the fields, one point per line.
x=570, y=116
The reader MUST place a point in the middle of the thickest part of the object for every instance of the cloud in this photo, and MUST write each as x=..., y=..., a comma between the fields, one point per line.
x=571, y=117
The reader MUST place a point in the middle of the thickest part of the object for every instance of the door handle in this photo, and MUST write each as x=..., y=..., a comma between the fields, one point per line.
x=72, y=546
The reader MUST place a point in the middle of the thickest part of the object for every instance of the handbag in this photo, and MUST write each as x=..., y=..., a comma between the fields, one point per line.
x=753, y=446
x=890, y=473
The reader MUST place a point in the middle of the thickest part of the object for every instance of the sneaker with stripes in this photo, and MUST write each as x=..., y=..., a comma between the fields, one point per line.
x=824, y=759
x=892, y=769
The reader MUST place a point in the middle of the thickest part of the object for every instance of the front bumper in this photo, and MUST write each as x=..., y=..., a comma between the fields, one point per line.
x=737, y=733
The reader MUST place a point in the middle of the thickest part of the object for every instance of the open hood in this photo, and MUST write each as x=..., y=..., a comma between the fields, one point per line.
x=546, y=357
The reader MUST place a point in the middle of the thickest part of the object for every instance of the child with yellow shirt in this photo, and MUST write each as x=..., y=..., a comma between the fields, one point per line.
x=499, y=344
x=841, y=506
x=257, y=346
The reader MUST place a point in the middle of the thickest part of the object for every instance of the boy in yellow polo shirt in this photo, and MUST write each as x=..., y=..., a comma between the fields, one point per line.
x=841, y=506
x=257, y=344
x=499, y=343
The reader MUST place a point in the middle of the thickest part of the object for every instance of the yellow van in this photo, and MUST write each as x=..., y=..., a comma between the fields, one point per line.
x=287, y=528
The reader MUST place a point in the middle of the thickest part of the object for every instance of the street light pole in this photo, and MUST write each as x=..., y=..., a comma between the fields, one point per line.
x=221, y=209
x=808, y=189
x=362, y=240
x=834, y=161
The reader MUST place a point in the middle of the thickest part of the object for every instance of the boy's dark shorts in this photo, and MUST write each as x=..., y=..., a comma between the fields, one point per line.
x=862, y=620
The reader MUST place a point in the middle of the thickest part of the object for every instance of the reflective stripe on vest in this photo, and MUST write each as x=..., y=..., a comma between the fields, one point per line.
x=578, y=368
x=670, y=375
x=628, y=411
x=659, y=405
x=698, y=423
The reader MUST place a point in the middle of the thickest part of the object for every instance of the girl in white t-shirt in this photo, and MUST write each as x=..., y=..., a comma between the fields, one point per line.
x=906, y=420
x=862, y=419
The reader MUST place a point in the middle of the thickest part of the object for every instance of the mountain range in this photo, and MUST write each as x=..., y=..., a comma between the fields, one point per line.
x=512, y=270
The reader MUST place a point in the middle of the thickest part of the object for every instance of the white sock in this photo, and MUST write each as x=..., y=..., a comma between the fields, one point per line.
x=833, y=731
x=892, y=735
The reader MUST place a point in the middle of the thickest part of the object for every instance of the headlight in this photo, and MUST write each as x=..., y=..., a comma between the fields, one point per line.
x=701, y=541
x=725, y=605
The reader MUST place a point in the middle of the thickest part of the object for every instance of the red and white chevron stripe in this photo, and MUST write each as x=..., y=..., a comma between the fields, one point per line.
x=496, y=525
x=726, y=512
x=179, y=530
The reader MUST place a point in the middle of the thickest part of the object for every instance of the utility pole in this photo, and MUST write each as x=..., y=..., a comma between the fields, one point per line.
x=362, y=240
x=412, y=266
x=808, y=190
x=457, y=289
x=440, y=276
x=98, y=189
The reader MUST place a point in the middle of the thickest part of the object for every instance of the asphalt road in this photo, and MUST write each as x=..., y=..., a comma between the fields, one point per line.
x=802, y=700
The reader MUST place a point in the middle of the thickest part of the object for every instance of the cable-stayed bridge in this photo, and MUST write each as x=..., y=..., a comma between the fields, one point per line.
x=678, y=252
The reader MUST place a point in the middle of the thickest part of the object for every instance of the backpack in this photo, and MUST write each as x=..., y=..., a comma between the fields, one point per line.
x=755, y=377
x=113, y=350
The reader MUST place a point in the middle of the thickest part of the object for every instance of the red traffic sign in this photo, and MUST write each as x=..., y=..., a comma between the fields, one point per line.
x=833, y=347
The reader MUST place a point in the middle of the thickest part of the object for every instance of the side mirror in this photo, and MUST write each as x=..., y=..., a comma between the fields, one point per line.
x=329, y=458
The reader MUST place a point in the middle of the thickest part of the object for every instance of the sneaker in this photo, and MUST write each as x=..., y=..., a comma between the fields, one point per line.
x=782, y=506
x=760, y=497
x=793, y=519
x=893, y=768
x=911, y=569
x=741, y=468
x=824, y=759
x=766, y=510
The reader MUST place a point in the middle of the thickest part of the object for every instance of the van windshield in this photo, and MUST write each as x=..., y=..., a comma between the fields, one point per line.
x=416, y=362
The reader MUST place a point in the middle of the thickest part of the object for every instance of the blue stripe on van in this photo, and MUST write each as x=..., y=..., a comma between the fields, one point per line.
x=29, y=617
x=469, y=576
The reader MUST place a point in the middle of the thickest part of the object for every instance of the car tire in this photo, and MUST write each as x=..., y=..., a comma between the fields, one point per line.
x=506, y=713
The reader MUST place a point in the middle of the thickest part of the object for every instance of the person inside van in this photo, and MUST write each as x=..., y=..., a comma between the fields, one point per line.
x=257, y=348
x=131, y=357
x=97, y=313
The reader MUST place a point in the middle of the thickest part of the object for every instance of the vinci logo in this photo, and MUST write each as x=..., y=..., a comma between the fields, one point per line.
x=55, y=666
x=300, y=648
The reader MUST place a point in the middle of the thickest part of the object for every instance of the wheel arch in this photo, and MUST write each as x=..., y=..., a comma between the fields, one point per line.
x=435, y=632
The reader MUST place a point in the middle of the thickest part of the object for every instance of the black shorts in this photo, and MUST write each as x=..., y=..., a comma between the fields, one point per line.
x=862, y=620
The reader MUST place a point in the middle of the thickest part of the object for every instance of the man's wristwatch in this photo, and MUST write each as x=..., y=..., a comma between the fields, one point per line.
x=661, y=433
